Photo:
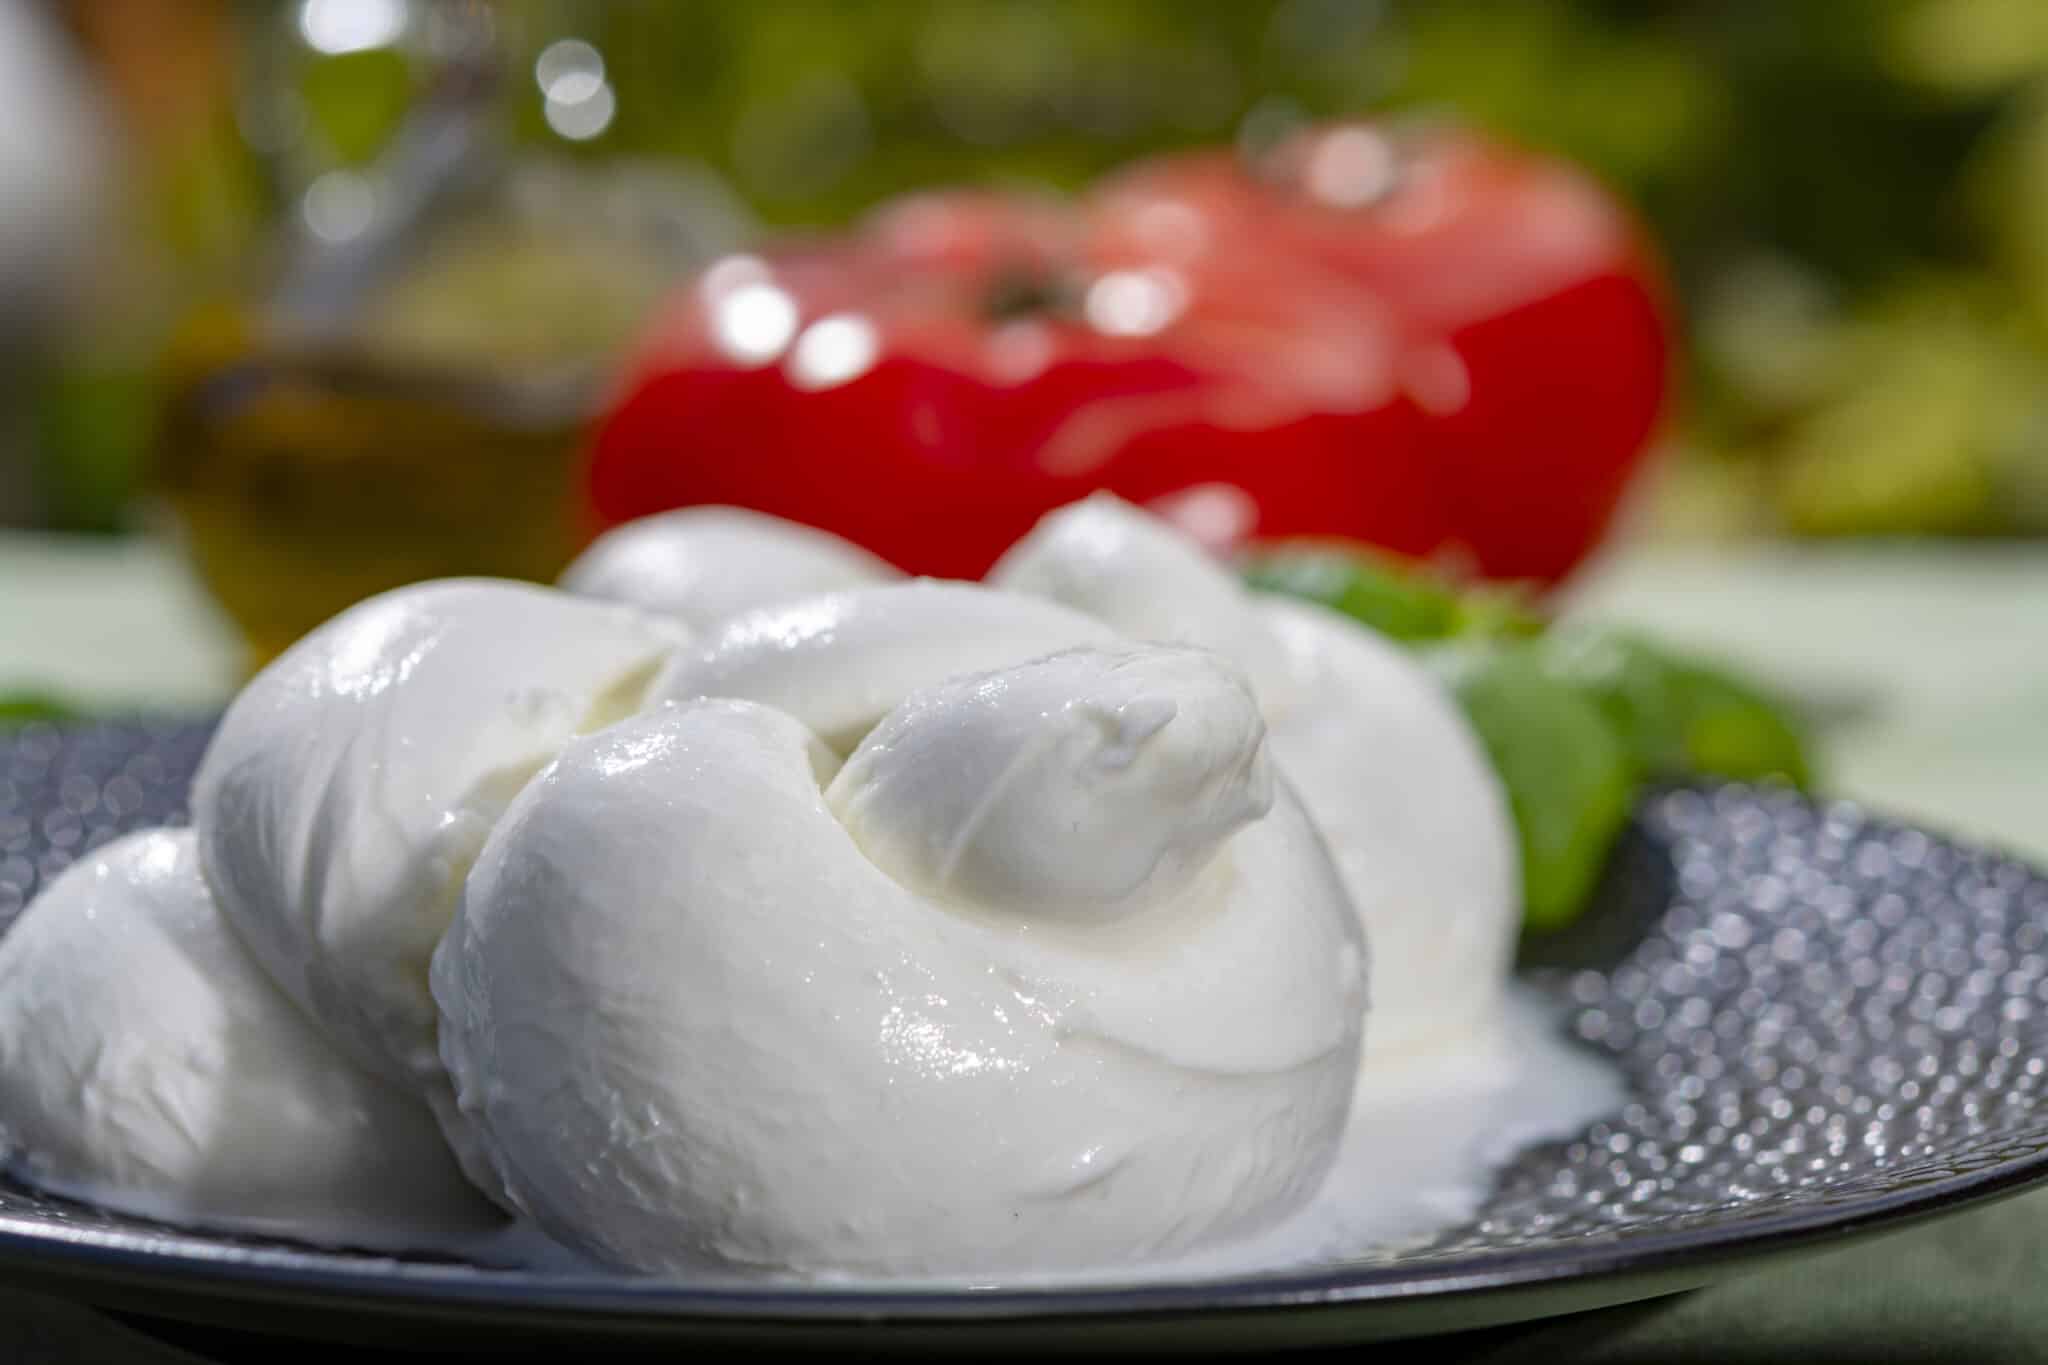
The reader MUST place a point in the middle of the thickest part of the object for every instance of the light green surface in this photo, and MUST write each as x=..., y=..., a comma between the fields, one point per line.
x=115, y=625
x=1929, y=669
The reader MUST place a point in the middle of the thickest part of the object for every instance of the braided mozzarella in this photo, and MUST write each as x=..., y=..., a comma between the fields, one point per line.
x=701, y=565
x=352, y=782
x=147, y=1062
x=1049, y=972
x=1380, y=753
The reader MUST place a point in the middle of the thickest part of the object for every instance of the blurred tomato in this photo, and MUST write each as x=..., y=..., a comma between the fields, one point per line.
x=1419, y=340
x=1531, y=323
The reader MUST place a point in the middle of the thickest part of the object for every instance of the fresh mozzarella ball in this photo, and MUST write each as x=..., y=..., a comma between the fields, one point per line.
x=147, y=1063
x=838, y=662
x=1378, y=750
x=701, y=565
x=694, y=1022
x=1066, y=786
x=1417, y=819
x=1144, y=577
x=352, y=783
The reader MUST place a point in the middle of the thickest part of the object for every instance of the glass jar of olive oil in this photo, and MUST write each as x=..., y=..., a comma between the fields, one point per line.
x=404, y=392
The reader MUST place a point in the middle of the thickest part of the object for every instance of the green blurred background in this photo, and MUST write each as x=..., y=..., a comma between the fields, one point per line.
x=1852, y=194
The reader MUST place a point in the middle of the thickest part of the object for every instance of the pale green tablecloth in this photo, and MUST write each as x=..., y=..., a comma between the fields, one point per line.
x=1929, y=667
x=110, y=624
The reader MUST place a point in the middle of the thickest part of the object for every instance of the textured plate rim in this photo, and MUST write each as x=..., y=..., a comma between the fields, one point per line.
x=381, y=1286
x=107, y=1263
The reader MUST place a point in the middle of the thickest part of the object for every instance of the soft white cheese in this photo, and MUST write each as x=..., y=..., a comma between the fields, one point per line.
x=1050, y=973
x=1417, y=819
x=353, y=781
x=1380, y=753
x=701, y=565
x=840, y=661
x=1086, y=784
x=1148, y=580
x=148, y=1064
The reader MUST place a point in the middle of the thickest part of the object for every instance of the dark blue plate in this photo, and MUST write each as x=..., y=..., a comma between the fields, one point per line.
x=1832, y=1025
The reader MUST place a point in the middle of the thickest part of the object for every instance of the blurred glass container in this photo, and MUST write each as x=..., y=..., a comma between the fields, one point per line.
x=403, y=394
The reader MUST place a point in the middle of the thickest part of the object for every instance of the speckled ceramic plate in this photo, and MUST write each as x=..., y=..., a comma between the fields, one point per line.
x=1830, y=1024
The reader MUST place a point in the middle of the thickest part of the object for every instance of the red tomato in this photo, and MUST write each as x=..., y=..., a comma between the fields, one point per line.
x=1226, y=346
x=1532, y=319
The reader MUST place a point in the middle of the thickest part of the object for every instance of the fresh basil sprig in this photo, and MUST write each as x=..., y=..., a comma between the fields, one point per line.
x=1576, y=718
